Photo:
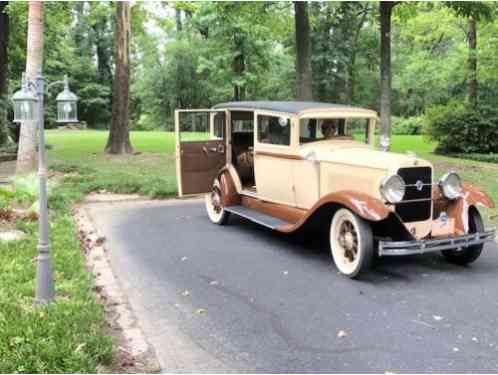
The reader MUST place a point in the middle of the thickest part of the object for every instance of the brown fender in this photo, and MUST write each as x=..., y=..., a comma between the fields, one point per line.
x=363, y=205
x=229, y=194
x=458, y=209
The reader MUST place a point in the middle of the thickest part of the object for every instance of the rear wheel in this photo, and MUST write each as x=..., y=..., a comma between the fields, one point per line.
x=351, y=243
x=214, y=207
x=468, y=254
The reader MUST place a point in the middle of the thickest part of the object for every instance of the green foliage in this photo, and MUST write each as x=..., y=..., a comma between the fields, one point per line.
x=407, y=126
x=461, y=129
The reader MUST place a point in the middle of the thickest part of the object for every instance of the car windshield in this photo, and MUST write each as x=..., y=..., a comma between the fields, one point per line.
x=314, y=130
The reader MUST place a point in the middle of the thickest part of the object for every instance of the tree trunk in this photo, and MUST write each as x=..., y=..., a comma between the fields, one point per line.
x=103, y=51
x=26, y=154
x=239, y=67
x=119, y=134
x=303, y=51
x=385, y=9
x=472, y=63
x=351, y=80
x=179, y=67
x=4, y=68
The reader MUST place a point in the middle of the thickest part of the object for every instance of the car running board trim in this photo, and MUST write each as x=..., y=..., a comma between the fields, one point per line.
x=256, y=216
x=249, y=193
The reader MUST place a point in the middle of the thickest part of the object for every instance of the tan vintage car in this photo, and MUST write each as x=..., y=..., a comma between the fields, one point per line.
x=291, y=165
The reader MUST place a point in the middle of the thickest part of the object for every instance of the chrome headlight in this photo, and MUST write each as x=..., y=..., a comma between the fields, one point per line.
x=393, y=188
x=451, y=185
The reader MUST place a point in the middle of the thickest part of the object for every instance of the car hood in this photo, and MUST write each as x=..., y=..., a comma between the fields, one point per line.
x=357, y=154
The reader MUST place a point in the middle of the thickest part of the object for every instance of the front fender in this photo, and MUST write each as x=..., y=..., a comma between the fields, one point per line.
x=458, y=209
x=363, y=205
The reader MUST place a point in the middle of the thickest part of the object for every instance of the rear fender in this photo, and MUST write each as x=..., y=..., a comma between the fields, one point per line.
x=229, y=185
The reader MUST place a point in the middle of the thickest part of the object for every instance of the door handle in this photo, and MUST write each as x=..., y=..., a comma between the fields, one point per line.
x=209, y=149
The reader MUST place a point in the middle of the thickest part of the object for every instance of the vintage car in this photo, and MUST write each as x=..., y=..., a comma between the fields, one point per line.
x=290, y=165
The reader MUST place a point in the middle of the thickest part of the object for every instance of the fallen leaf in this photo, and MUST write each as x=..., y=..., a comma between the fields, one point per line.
x=200, y=311
x=342, y=333
x=99, y=241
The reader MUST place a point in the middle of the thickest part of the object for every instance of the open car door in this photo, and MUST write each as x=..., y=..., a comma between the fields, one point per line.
x=200, y=149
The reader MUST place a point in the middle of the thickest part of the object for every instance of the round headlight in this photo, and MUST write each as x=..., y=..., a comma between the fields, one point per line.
x=451, y=185
x=392, y=188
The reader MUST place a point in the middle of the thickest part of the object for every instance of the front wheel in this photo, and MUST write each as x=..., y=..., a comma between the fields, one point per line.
x=217, y=214
x=351, y=243
x=468, y=254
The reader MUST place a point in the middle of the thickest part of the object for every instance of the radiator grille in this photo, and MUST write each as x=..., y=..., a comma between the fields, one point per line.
x=416, y=211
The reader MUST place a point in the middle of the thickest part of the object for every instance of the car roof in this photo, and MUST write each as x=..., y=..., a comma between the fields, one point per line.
x=295, y=107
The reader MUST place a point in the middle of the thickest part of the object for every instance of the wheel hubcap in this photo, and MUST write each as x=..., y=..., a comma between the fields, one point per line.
x=216, y=200
x=348, y=239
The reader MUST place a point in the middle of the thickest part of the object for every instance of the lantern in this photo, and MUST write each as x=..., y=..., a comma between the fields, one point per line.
x=24, y=104
x=66, y=105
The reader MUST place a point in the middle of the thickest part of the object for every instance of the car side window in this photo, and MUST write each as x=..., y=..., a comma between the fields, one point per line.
x=274, y=130
x=219, y=125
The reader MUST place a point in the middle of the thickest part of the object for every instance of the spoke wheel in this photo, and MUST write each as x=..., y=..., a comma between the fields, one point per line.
x=214, y=206
x=351, y=243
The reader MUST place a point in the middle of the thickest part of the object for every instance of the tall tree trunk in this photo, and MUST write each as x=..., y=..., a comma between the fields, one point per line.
x=303, y=51
x=26, y=154
x=4, y=67
x=351, y=80
x=472, y=63
x=179, y=67
x=385, y=9
x=239, y=67
x=119, y=134
x=103, y=51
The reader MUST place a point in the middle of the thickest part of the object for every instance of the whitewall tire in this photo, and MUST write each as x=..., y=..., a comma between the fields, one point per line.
x=351, y=243
x=217, y=214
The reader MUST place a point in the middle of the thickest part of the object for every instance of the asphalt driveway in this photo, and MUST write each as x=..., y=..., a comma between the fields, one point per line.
x=242, y=298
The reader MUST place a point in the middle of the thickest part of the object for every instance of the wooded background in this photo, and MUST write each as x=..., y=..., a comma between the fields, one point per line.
x=188, y=55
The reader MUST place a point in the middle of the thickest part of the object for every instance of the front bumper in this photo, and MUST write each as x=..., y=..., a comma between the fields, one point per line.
x=387, y=248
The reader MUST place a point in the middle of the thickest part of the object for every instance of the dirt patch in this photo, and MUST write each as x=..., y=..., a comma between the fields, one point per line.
x=133, y=354
x=444, y=165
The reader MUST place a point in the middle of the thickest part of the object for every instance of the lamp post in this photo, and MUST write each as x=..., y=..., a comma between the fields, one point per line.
x=28, y=106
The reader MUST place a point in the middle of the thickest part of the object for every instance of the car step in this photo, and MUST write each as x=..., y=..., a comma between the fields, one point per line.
x=256, y=216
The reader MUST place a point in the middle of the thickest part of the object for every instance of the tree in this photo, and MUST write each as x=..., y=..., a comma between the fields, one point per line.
x=4, y=67
x=385, y=10
x=341, y=49
x=26, y=154
x=119, y=134
x=303, y=51
x=473, y=11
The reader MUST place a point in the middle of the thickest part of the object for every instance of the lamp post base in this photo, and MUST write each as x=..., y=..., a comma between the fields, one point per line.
x=45, y=292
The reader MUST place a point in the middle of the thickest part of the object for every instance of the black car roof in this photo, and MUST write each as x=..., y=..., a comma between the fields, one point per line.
x=288, y=107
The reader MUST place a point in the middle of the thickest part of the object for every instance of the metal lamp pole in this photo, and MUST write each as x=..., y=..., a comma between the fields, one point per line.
x=26, y=104
x=44, y=275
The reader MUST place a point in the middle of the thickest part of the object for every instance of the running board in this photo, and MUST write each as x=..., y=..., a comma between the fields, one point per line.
x=256, y=216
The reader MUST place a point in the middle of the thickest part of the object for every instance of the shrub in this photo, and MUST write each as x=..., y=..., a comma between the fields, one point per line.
x=460, y=129
x=407, y=126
